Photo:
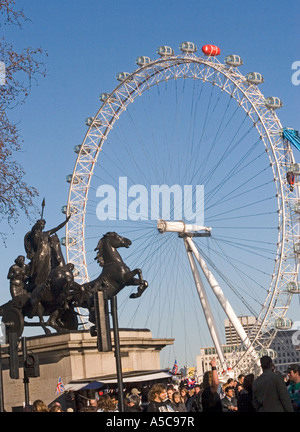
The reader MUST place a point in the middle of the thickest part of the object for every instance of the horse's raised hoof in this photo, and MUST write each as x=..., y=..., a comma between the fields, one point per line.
x=134, y=295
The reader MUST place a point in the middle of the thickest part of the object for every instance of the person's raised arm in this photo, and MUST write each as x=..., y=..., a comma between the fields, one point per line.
x=54, y=230
x=215, y=379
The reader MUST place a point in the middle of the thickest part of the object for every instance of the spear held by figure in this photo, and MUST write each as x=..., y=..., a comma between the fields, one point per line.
x=43, y=206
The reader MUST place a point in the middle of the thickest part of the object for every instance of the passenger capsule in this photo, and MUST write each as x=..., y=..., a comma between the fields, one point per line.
x=233, y=60
x=297, y=248
x=91, y=121
x=104, y=96
x=72, y=209
x=76, y=179
x=211, y=50
x=143, y=61
x=295, y=168
x=283, y=324
x=165, y=51
x=293, y=287
x=273, y=102
x=121, y=76
x=188, y=47
x=84, y=150
x=297, y=207
x=254, y=78
x=267, y=352
x=71, y=241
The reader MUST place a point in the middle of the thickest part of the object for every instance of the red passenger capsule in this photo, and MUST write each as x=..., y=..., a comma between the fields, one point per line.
x=211, y=50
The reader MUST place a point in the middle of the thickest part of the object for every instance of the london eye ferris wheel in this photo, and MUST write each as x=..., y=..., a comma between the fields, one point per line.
x=181, y=121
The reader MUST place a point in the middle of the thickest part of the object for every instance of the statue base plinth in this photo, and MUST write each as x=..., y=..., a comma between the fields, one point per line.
x=74, y=356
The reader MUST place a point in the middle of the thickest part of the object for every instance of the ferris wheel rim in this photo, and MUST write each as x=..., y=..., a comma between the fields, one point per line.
x=159, y=68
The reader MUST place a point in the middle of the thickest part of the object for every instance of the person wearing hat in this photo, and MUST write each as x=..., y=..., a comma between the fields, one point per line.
x=133, y=403
x=270, y=393
x=294, y=386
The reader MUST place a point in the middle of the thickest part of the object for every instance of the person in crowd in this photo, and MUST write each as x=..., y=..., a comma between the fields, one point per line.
x=230, y=382
x=177, y=404
x=270, y=393
x=244, y=400
x=106, y=404
x=197, y=400
x=93, y=405
x=211, y=401
x=157, y=396
x=183, y=394
x=55, y=408
x=294, y=385
x=186, y=398
x=39, y=406
x=240, y=379
x=170, y=391
x=115, y=400
x=238, y=388
x=189, y=405
x=133, y=403
x=229, y=402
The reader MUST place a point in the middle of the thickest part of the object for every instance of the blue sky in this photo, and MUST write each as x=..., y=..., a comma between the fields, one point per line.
x=89, y=42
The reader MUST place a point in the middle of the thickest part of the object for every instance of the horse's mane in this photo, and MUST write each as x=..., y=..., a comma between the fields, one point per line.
x=99, y=256
x=99, y=248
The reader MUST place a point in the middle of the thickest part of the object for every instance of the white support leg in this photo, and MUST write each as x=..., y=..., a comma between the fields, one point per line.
x=206, y=307
x=222, y=299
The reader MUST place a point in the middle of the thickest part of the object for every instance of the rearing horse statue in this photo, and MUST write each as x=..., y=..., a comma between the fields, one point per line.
x=115, y=274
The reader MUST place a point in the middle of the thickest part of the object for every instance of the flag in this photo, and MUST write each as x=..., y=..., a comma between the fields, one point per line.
x=191, y=372
x=191, y=382
x=175, y=368
x=60, y=388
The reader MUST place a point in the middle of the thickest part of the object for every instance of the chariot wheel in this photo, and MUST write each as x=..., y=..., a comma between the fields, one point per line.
x=13, y=320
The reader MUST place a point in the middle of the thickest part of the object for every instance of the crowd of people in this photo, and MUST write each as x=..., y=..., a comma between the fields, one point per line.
x=269, y=392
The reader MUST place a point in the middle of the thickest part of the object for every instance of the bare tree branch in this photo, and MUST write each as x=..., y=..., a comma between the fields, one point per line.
x=21, y=70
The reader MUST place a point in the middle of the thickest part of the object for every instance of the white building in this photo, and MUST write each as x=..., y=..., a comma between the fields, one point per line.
x=286, y=345
x=232, y=338
x=231, y=353
x=286, y=350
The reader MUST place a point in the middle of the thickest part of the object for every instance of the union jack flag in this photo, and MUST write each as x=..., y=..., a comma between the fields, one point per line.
x=191, y=382
x=60, y=388
x=175, y=368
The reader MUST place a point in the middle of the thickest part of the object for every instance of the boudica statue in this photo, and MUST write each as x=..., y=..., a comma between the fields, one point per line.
x=45, y=287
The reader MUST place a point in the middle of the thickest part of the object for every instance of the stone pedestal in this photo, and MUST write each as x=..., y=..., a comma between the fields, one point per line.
x=74, y=356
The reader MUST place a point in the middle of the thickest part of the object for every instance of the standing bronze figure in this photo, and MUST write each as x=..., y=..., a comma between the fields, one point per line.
x=38, y=249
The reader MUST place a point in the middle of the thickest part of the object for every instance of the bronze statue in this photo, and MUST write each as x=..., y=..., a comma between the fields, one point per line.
x=46, y=287
x=115, y=274
x=38, y=250
x=18, y=276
